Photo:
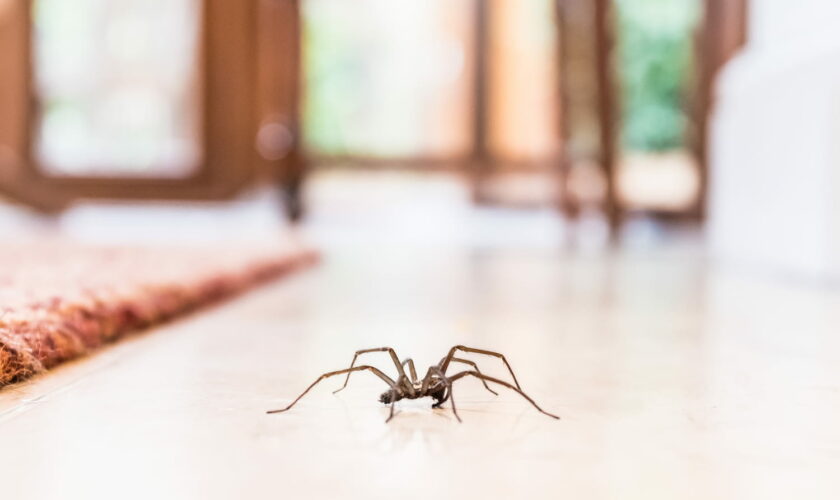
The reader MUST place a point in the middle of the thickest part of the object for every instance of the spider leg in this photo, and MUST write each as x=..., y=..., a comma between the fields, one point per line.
x=449, y=357
x=411, y=369
x=449, y=393
x=500, y=382
x=475, y=367
x=375, y=371
x=389, y=350
x=393, y=401
x=427, y=380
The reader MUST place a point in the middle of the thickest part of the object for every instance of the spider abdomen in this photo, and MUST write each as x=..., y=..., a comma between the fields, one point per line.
x=387, y=397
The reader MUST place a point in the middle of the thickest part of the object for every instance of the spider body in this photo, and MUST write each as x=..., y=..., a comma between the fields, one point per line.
x=436, y=384
x=436, y=390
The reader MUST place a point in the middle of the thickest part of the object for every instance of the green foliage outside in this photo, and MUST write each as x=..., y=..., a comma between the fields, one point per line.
x=655, y=63
x=332, y=74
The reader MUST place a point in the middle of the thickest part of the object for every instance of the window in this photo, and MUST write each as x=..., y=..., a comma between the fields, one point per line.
x=388, y=78
x=118, y=87
x=132, y=98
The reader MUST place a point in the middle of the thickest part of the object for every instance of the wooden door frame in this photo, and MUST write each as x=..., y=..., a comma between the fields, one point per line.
x=722, y=35
x=597, y=16
x=279, y=100
x=481, y=160
x=14, y=183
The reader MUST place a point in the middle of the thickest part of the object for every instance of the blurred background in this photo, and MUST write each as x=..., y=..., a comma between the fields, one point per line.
x=599, y=121
x=637, y=201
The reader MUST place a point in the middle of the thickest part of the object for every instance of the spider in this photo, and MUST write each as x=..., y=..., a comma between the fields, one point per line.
x=435, y=384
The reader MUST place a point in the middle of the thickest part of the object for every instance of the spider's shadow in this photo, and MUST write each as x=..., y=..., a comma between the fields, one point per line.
x=433, y=428
x=426, y=427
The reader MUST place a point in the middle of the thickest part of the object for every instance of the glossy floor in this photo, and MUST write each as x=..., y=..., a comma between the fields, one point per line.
x=674, y=379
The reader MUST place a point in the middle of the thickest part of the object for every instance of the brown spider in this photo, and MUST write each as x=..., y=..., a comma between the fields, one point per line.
x=435, y=384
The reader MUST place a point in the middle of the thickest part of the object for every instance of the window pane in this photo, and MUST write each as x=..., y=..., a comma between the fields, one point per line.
x=388, y=77
x=656, y=61
x=118, y=87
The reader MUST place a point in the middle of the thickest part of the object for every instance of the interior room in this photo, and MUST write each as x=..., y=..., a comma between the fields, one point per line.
x=565, y=248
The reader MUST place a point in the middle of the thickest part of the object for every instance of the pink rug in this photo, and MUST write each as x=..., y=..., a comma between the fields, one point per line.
x=62, y=301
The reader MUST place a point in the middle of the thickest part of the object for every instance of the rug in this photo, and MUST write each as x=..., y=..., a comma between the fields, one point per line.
x=59, y=301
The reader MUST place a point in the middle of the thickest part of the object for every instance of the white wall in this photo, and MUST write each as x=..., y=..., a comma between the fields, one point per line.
x=775, y=150
x=778, y=22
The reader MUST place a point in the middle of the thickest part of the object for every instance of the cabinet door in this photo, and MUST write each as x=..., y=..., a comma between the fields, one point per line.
x=126, y=98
